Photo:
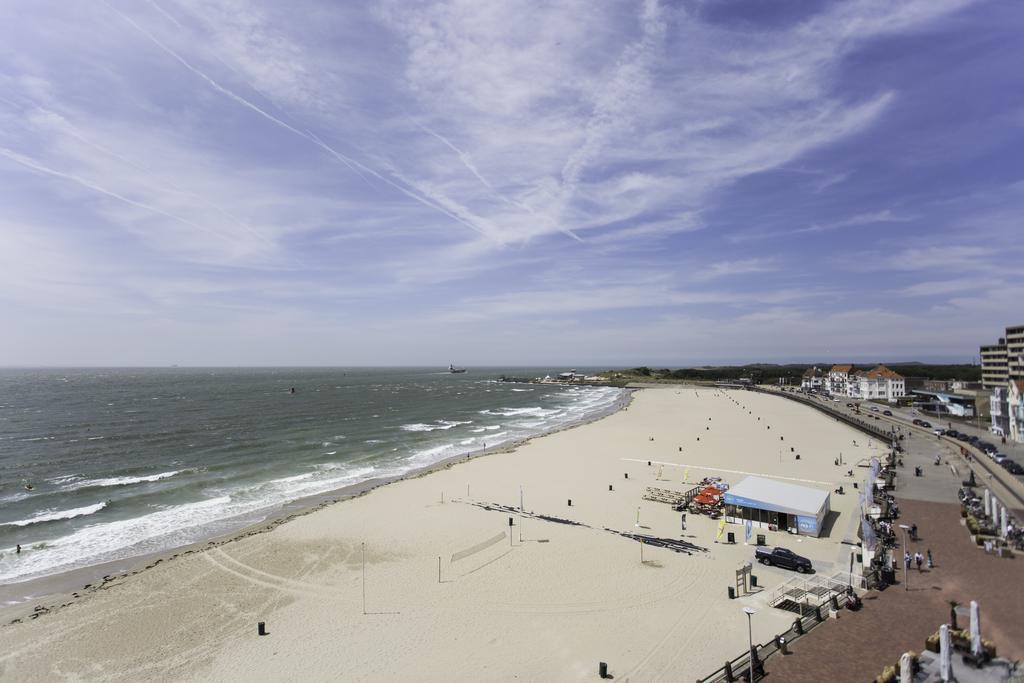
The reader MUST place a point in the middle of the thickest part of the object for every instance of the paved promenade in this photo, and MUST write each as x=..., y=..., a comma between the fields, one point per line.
x=858, y=645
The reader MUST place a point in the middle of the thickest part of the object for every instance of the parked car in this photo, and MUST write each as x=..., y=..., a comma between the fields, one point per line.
x=987, y=447
x=953, y=433
x=960, y=436
x=917, y=421
x=1000, y=457
x=998, y=431
x=926, y=424
x=939, y=432
x=887, y=412
x=782, y=557
x=1013, y=467
x=873, y=409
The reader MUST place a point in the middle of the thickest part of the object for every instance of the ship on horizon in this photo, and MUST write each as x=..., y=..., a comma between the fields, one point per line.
x=454, y=370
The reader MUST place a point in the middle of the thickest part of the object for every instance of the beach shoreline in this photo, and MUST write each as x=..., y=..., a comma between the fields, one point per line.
x=55, y=591
x=454, y=576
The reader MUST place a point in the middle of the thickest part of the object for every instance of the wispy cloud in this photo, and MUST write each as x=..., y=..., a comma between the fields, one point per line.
x=453, y=164
x=884, y=216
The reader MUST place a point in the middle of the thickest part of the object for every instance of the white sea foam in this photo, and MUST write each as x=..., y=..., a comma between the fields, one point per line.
x=439, y=424
x=516, y=412
x=173, y=526
x=121, y=481
x=54, y=515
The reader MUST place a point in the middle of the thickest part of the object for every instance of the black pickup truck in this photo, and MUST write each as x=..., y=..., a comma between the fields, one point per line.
x=781, y=557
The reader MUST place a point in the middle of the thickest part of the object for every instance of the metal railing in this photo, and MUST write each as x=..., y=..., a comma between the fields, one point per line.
x=737, y=668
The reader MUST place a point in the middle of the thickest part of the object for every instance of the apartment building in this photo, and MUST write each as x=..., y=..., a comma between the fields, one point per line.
x=1015, y=352
x=813, y=379
x=994, y=371
x=1002, y=373
x=1015, y=410
x=879, y=383
x=838, y=379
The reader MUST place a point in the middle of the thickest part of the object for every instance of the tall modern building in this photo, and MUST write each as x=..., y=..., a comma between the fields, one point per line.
x=1015, y=352
x=993, y=365
x=1002, y=373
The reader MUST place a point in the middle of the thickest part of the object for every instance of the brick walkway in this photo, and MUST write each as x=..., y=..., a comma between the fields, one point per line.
x=859, y=645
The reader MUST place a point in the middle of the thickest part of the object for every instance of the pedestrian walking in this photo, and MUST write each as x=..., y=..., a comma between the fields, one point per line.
x=930, y=563
x=913, y=532
x=918, y=560
x=906, y=559
x=684, y=521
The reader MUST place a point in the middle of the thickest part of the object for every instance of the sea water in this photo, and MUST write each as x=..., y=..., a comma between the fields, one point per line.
x=99, y=465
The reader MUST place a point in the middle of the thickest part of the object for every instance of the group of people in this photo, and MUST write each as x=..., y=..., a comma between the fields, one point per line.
x=918, y=559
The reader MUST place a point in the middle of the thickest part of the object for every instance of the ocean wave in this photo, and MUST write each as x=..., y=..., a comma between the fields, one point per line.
x=174, y=526
x=438, y=424
x=120, y=481
x=536, y=411
x=55, y=515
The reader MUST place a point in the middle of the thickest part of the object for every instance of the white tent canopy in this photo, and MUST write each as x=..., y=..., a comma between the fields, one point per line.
x=775, y=504
x=779, y=496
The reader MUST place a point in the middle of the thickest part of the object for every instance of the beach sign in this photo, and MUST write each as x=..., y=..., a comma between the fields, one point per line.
x=721, y=529
x=748, y=530
x=686, y=475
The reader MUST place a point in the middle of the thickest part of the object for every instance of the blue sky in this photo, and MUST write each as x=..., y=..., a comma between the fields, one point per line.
x=218, y=182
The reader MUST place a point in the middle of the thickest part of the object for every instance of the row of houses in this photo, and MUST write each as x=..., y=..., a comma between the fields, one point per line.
x=879, y=383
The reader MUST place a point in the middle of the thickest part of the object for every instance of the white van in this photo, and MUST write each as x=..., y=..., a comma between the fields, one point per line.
x=998, y=431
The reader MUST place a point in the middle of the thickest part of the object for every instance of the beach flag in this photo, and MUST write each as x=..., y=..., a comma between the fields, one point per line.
x=721, y=529
x=748, y=530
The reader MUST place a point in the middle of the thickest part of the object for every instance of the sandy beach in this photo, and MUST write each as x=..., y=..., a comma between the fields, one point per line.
x=352, y=591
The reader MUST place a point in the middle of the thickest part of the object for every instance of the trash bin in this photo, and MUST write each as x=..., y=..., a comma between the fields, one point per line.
x=889, y=576
x=783, y=646
x=602, y=669
x=753, y=581
x=760, y=539
x=732, y=592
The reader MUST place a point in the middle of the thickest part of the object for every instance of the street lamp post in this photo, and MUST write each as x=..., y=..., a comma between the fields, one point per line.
x=750, y=611
x=853, y=554
x=906, y=564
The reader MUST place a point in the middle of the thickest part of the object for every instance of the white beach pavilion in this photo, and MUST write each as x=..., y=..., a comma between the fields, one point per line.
x=776, y=505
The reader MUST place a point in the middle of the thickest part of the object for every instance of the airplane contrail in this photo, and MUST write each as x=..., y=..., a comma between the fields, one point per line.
x=35, y=165
x=352, y=164
x=71, y=130
x=467, y=162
